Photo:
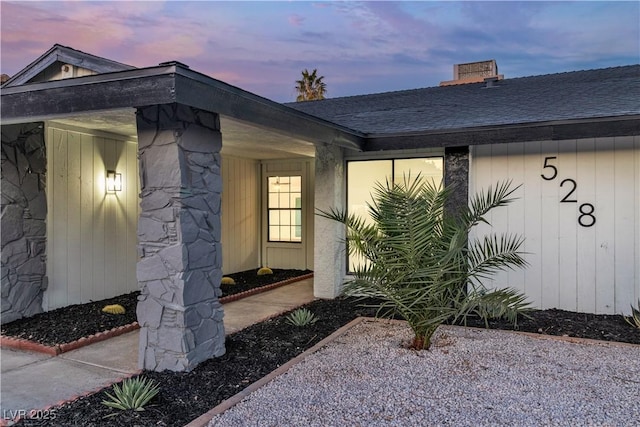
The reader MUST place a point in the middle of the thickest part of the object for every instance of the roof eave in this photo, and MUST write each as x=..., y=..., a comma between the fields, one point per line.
x=163, y=85
x=593, y=127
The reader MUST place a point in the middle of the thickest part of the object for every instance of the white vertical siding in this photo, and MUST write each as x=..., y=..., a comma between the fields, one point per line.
x=240, y=214
x=572, y=267
x=586, y=247
x=91, y=250
x=627, y=224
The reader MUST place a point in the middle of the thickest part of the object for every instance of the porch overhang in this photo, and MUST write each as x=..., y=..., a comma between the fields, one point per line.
x=166, y=84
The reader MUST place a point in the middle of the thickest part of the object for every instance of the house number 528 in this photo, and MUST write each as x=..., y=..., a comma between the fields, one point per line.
x=586, y=210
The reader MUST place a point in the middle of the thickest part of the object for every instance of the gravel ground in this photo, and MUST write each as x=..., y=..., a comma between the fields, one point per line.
x=470, y=377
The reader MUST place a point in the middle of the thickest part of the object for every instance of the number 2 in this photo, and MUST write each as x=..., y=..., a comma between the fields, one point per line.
x=566, y=199
x=553, y=168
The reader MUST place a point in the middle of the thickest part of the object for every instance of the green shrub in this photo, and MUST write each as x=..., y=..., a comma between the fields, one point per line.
x=301, y=317
x=264, y=271
x=422, y=264
x=132, y=393
x=634, y=319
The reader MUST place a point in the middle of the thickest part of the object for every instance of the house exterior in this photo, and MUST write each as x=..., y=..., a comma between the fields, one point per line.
x=572, y=141
x=116, y=178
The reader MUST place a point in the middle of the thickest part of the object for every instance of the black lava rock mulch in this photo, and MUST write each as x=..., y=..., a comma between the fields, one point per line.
x=605, y=327
x=73, y=322
x=251, y=354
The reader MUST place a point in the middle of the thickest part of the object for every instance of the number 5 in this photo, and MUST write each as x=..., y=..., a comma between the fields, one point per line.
x=547, y=165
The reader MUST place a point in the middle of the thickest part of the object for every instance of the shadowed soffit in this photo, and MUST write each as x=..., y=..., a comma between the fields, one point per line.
x=239, y=139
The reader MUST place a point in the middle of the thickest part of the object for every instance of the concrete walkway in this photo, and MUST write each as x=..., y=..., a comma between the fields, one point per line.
x=32, y=381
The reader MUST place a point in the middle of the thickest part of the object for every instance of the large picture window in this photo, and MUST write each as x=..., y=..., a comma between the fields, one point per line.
x=284, y=206
x=362, y=175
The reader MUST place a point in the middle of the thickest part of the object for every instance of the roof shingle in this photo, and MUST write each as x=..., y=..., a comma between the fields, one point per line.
x=607, y=92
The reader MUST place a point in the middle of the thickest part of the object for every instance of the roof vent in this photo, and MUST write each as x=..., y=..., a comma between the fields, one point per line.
x=490, y=81
x=474, y=72
x=67, y=71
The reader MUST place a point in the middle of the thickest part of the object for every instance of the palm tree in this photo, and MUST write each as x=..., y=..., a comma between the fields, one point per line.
x=310, y=87
x=422, y=264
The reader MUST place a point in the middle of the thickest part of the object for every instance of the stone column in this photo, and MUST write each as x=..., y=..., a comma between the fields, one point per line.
x=456, y=169
x=24, y=214
x=329, y=249
x=180, y=264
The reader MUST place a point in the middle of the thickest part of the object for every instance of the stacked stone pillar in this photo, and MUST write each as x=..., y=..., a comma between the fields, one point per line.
x=456, y=176
x=180, y=265
x=24, y=215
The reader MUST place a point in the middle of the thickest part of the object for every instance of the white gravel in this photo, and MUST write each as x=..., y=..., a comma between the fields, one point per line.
x=470, y=377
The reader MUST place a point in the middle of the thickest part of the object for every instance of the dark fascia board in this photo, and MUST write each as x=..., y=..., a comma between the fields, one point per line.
x=60, y=98
x=165, y=84
x=68, y=56
x=544, y=131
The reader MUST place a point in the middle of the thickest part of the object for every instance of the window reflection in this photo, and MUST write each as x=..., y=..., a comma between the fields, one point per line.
x=362, y=176
x=284, y=205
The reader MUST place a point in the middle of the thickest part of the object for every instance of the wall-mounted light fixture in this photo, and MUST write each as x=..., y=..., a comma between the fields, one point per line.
x=114, y=181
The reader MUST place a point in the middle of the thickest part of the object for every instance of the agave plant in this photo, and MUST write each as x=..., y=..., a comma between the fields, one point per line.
x=133, y=393
x=421, y=263
x=634, y=319
x=301, y=317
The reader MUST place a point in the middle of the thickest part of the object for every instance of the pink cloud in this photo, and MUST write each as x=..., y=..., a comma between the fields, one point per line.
x=100, y=28
x=296, y=20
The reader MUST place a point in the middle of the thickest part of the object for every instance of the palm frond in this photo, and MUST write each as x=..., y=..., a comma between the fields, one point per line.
x=419, y=262
x=481, y=203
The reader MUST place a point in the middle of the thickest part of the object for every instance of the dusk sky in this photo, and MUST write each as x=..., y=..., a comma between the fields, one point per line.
x=360, y=47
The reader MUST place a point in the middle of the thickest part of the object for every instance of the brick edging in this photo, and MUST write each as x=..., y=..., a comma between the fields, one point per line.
x=262, y=289
x=26, y=345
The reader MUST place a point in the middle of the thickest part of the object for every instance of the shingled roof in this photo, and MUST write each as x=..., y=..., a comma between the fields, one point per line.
x=599, y=93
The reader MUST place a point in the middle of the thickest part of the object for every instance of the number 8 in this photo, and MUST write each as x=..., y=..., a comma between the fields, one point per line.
x=587, y=214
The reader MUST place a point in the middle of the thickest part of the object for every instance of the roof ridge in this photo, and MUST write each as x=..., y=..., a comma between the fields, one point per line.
x=586, y=70
x=316, y=102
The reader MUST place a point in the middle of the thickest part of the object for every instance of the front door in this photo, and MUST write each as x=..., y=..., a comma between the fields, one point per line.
x=287, y=236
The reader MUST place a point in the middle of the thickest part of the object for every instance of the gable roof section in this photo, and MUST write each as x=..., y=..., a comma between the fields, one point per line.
x=572, y=96
x=67, y=55
x=168, y=83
